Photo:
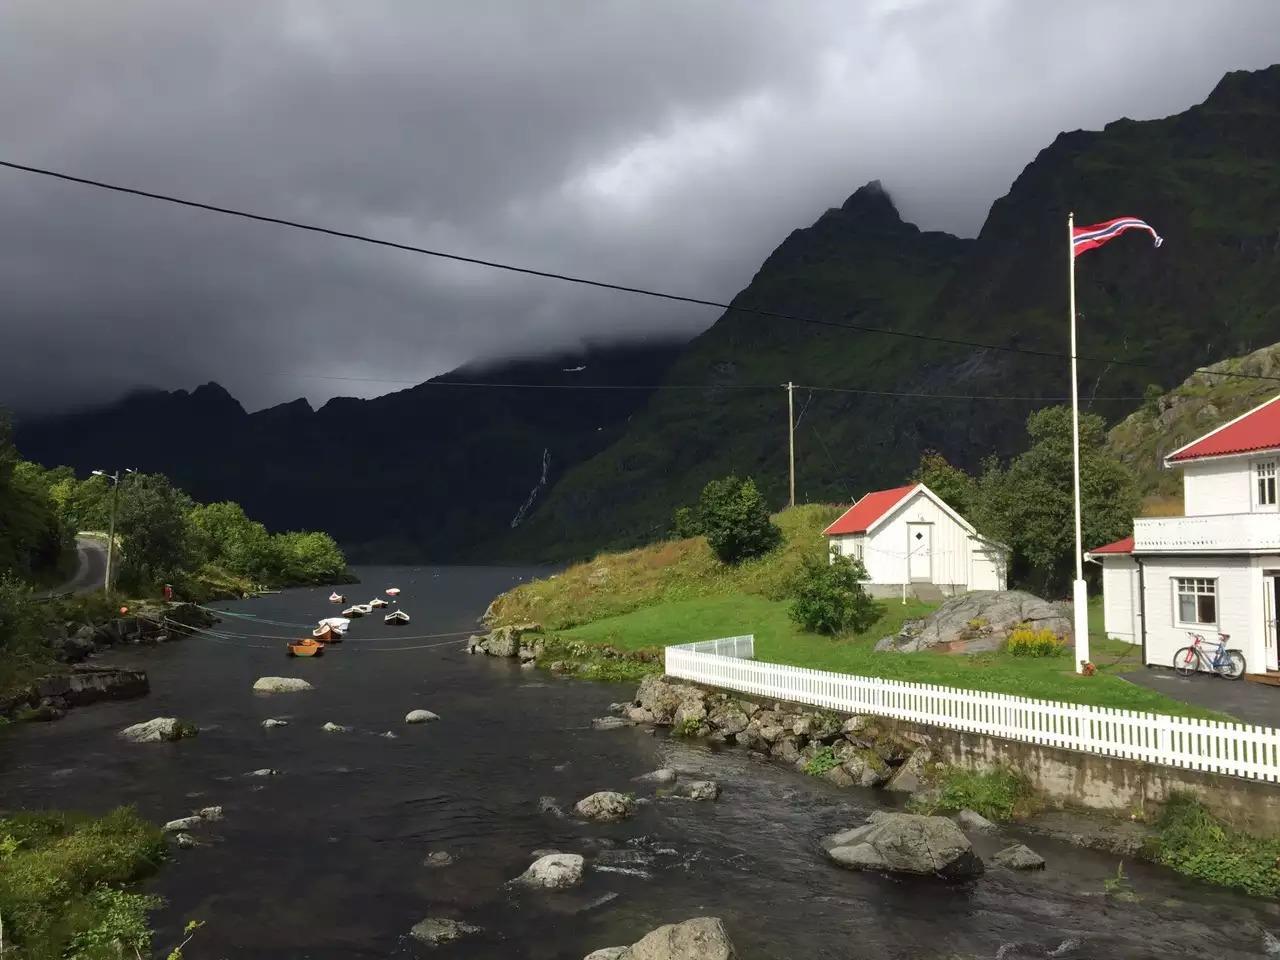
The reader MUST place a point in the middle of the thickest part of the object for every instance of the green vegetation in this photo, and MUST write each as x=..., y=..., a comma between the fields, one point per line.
x=822, y=761
x=1194, y=842
x=733, y=517
x=1119, y=887
x=598, y=662
x=64, y=885
x=999, y=795
x=1025, y=641
x=830, y=598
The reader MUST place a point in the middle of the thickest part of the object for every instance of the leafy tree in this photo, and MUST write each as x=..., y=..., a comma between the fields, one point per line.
x=151, y=520
x=686, y=523
x=956, y=488
x=1028, y=505
x=830, y=597
x=307, y=557
x=32, y=539
x=222, y=534
x=735, y=520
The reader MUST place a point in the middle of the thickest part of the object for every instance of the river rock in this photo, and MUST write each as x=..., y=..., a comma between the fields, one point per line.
x=332, y=727
x=786, y=749
x=503, y=641
x=1019, y=857
x=263, y=772
x=549, y=805
x=909, y=777
x=159, y=730
x=697, y=790
x=662, y=775
x=184, y=841
x=610, y=723
x=437, y=930
x=605, y=807
x=281, y=685
x=420, y=716
x=556, y=871
x=271, y=722
x=702, y=938
x=438, y=858
x=663, y=696
x=182, y=824
x=972, y=820
x=980, y=621
x=89, y=683
x=211, y=814
x=906, y=843
x=729, y=719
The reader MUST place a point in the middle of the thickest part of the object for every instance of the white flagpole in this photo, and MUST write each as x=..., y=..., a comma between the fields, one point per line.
x=1079, y=595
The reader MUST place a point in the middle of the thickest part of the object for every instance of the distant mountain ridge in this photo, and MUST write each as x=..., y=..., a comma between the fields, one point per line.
x=461, y=467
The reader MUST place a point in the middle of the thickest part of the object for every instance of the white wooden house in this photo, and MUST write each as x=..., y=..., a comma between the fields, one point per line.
x=1216, y=569
x=908, y=536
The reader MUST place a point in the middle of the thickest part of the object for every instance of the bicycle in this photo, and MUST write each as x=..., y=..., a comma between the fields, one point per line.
x=1228, y=664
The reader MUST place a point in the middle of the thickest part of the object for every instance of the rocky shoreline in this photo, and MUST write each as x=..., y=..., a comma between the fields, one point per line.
x=78, y=683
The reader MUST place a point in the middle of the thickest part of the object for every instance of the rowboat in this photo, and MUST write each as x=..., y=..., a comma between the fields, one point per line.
x=362, y=608
x=354, y=612
x=340, y=624
x=336, y=597
x=305, y=648
x=326, y=634
x=395, y=617
x=393, y=591
x=378, y=602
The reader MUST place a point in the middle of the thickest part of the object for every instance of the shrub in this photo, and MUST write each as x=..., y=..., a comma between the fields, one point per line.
x=822, y=761
x=1025, y=641
x=686, y=523
x=1192, y=841
x=735, y=520
x=997, y=794
x=830, y=598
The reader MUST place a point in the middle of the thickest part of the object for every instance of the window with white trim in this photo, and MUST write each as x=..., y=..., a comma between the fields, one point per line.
x=1196, y=600
x=1265, y=472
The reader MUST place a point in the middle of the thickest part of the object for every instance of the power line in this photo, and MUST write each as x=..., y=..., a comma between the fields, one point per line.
x=584, y=281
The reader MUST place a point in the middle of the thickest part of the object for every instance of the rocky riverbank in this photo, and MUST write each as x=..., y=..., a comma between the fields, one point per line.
x=76, y=683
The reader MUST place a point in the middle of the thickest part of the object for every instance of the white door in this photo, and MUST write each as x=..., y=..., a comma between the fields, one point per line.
x=920, y=551
x=1269, y=619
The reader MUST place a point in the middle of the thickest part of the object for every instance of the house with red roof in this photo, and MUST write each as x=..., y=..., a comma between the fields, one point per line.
x=910, y=540
x=1216, y=569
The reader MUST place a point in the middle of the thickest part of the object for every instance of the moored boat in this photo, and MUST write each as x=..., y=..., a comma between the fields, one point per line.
x=326, y=634
x=340, y=624
x=393, y=591
x=378, y=602
x=362, y=609
x=395, y=617
x=306, y=648
x=353, y=612
x=336, y=597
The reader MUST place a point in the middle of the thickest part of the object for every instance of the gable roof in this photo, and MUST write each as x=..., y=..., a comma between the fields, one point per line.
x=1120, y=546
x=862, y=515
x=1256, y=429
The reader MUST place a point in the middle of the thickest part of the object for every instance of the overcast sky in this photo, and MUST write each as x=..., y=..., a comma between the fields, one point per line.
x=655, y=142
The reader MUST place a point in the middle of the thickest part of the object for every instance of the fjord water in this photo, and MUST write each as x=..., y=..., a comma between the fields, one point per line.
x=325, y=860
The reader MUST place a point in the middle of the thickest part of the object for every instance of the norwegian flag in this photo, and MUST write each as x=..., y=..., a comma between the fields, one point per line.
x=1086, y=238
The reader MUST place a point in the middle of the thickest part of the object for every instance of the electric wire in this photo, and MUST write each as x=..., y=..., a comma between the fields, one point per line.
x=587, y=282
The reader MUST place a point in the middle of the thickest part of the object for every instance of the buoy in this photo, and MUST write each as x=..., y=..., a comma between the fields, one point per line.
x=124, y=610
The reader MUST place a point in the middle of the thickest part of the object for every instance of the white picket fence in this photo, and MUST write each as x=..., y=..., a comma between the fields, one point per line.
x=1238, y=749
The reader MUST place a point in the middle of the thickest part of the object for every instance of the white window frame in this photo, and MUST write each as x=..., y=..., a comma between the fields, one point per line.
x=1264, y=484
x=1196, y=587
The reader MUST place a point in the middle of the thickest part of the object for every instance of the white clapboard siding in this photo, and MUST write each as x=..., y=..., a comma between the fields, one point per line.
x=1237, y=749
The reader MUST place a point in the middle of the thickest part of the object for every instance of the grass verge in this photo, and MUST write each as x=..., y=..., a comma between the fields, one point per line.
x=1192, y=841
x=63, y=884
x=999, y=795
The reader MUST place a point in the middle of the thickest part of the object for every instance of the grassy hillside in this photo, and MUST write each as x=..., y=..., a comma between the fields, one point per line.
x=1206, y=177
x=1199, y=404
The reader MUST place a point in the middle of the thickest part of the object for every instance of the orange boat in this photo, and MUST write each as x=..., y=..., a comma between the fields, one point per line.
x=306, y=648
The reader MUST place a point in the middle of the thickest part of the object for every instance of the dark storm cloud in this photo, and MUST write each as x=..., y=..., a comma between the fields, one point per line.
x=659, y=143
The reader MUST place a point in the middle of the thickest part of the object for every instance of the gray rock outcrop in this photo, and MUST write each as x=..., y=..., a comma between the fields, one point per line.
x=906, y=843
x=605, y=806
x=661, y=775
x=436, y=930
x=555, y=871
x=979, y=622
x=972, y=820
x=697, y=790
x=1019, y=857
x=281, y=685
x=420, y=716
x=507, y=641
x=702, y=938
x=159, y=730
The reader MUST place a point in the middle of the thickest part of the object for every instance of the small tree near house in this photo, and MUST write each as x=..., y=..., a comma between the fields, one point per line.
x=830, y=598
x=734, y=518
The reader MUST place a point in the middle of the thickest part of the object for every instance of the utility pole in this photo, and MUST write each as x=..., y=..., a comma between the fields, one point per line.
x=1079, y=594
x=111, y=531
x=791, y=438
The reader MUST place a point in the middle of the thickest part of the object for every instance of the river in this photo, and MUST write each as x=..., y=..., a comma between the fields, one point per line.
x=325, y=860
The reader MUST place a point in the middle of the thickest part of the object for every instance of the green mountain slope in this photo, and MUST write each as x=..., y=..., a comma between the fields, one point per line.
x=1207, y=178
x=1199, y=404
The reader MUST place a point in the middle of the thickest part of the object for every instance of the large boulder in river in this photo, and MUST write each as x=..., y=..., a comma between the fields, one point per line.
x=159, y=730
x=605, y=807
x=906, y=843
x=663, y=697
x=555, y=871
x=979, y=622
x=281, y=685
x=420, y=716
x=702, y=938
x=436, y=930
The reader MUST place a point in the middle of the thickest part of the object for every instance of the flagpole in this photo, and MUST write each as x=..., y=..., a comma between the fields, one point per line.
x=1079, y=595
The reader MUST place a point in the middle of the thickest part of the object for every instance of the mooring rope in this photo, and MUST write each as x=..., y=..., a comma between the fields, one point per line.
x=218, y=636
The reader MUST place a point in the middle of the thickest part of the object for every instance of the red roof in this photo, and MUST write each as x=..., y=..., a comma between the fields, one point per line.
x=1120, y=546
x=1259, y=429
x=868, y=510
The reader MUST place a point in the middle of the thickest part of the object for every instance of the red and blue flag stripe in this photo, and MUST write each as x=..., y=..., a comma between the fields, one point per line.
x=1086, y=238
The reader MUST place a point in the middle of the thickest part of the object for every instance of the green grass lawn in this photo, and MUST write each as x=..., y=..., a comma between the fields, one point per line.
x=781, y=641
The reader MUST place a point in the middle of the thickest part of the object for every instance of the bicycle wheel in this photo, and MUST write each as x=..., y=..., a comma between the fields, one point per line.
x=1185, y=661
x=1231, y=666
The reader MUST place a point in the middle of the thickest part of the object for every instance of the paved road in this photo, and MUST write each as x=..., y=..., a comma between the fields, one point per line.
x=91, y=558
x=1250, y=702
